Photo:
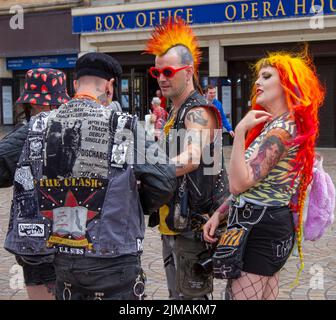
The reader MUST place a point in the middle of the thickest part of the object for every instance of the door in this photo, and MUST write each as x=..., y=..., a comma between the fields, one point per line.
x=241, y=81
x=134, y=93
x=7, y=115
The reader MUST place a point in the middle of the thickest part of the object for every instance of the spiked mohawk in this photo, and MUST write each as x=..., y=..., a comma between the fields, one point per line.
x=171, y=34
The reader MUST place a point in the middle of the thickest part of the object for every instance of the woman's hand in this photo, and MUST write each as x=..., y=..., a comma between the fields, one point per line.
x=211, y=226
x=252, y=119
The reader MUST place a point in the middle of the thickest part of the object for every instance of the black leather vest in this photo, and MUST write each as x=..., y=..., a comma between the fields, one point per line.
x=207, y=186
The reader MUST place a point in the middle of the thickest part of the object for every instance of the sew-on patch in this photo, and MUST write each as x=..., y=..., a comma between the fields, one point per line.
x=71, y=204
x=139, y=244
x=119, y=154
x=282, y=248
x=122, y=121
x=40, y=122
x=31, y=230
x=35, y=145
x=71, y=251
x=26, y=204
x=24, y=177
x=123, y=139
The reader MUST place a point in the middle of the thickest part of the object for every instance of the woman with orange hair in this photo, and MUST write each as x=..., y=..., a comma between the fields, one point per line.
x=273, y=163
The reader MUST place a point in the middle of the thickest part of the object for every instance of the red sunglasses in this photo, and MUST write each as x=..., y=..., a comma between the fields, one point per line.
x=168, y=72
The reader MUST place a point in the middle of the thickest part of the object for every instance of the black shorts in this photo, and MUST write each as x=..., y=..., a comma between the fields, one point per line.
x=36, y=274
x=270, y=242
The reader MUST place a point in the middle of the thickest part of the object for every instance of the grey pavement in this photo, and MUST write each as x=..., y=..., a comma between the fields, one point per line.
x=317, y=281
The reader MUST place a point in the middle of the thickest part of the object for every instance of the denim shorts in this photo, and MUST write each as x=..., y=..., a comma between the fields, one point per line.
x=83, y=278
x=36, y=274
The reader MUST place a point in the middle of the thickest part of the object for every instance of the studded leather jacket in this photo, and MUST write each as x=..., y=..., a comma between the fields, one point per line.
x=77, y=189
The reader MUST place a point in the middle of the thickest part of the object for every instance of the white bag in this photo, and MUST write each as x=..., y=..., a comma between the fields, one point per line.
x=149, y=128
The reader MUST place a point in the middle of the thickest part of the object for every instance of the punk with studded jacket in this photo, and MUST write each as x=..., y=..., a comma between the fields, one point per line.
x=204, y=189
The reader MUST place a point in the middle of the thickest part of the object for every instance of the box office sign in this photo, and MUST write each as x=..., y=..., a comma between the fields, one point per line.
x=214, y=13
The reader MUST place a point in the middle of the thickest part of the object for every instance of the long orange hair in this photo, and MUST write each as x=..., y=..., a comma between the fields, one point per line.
x=304, y=95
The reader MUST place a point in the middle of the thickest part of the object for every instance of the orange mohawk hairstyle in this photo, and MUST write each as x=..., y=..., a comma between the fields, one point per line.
x=173, y=33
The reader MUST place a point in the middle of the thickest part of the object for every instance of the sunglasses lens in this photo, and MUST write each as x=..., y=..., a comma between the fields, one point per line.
x=168, y=72
x=155, y=72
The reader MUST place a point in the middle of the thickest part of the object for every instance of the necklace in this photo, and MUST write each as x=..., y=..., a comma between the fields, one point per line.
x=85, y=96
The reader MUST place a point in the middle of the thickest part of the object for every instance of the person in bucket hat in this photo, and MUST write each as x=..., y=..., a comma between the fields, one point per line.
x=44, y=90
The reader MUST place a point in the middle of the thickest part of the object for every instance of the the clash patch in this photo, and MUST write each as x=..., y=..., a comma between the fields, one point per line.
x=71, y=203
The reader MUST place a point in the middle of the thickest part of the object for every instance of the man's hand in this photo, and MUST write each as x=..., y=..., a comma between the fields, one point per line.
x=231, y=134
x=210, y=227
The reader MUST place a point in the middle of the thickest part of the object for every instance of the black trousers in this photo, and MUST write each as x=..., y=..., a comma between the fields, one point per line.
x=82, y=278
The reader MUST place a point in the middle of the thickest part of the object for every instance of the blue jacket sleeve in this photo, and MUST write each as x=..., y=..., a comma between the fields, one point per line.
x=225, y=122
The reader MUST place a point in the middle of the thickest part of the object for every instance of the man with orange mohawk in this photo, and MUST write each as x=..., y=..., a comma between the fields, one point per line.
x=194, y=121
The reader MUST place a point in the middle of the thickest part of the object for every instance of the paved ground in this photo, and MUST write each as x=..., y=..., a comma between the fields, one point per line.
x=318, y=280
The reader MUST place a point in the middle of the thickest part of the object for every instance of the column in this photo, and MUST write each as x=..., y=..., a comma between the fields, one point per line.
x=217, y=64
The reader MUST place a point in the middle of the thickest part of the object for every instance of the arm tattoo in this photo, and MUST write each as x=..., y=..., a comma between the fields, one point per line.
x=269, y=154
x=195, y=139
x=197, y=117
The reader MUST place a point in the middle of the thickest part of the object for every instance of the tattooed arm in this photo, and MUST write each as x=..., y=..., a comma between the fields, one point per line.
x=200, y=123
x=272, y=149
